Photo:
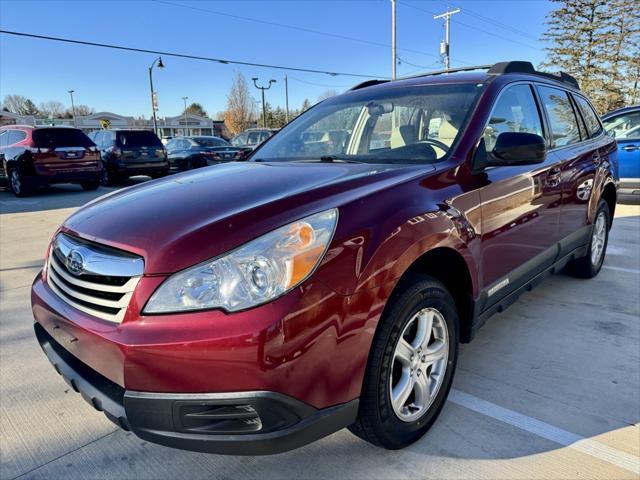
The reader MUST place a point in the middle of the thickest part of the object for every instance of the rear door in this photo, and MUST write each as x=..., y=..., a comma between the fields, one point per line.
x=520, y=204
x=140, y=146
x=62, y=150
x=579, y=156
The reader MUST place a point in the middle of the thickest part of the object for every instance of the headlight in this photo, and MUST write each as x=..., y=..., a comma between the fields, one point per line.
x=255, y=273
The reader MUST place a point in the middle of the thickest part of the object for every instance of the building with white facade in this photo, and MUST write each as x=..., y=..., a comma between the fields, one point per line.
x=181, y=125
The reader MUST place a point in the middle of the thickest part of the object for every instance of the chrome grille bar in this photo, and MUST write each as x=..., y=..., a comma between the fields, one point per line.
x=101, y=289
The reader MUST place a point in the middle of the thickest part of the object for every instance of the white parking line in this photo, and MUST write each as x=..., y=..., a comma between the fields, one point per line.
x=621, y=269
x=541, y=429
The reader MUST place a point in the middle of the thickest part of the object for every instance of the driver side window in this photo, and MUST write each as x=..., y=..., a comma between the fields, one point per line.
x=515, y=111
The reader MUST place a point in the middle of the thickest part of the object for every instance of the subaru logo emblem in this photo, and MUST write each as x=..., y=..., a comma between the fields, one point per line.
x=75, y=262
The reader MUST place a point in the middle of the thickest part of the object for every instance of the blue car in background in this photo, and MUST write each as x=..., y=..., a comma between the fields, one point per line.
x=624, y=125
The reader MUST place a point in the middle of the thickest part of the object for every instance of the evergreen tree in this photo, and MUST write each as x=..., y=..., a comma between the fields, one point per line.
x=594, y=41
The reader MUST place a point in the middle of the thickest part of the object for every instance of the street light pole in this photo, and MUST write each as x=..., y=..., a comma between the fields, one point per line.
x=393, y=39
x=184, y=116
x=154, y=99
x=444, y=49
x=262, y=89
x=73, y=109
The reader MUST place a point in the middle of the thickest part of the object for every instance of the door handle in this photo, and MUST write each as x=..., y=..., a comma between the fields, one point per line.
x=631, y=148
x=596, y=159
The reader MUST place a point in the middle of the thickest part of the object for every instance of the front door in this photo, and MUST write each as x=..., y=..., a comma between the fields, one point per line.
x=520, y=204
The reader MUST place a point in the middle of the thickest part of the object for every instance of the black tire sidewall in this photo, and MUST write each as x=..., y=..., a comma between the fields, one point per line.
x=394, y=432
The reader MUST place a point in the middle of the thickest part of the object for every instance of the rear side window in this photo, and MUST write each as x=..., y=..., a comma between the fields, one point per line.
x=562, y=119
x=4, y=135
x=590, y=118
x=210, y=142
x=515, y=111
x=138, y=139
x=60, y=137
x=15, y=136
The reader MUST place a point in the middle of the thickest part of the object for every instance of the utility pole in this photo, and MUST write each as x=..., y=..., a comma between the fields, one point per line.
x=444, y=46
x=393, y=39
x=73, y=109
x=154, y=97
x=262, y=89
x=286, y=99
x=184, y=117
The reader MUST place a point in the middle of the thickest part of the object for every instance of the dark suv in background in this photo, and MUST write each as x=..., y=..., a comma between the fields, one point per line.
x=126, y=153
x=39, y=156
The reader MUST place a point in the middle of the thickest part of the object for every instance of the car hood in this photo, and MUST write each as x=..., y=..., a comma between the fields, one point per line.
x=184, y=219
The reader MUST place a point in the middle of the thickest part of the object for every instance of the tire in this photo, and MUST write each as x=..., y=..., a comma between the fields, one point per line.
x=396, y=425
x=90, y=186
x=17, y=183
x=589, y=265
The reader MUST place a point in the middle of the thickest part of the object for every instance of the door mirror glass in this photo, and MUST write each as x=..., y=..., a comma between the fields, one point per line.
x=517, y=148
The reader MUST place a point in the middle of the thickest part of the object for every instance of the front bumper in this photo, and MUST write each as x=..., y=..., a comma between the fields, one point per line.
x=243, y=423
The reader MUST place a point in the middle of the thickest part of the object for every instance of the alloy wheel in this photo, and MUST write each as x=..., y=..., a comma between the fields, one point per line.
x=419, y=364
x=16, y=183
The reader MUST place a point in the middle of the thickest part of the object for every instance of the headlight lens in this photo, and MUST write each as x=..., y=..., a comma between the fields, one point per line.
x=255, y=273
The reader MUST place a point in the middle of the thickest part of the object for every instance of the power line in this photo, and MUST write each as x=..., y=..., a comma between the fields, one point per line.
x=502, y=25
x=473, y=27
x=184, y=55
x=319, y=84
x=291, y=27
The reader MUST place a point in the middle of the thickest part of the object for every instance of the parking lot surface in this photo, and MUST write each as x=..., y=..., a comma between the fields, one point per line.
x=548, y=389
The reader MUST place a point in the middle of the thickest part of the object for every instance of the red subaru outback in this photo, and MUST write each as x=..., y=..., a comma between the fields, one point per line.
x=311, y=288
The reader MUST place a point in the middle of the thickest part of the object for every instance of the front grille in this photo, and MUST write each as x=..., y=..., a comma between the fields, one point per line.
x=105, y=283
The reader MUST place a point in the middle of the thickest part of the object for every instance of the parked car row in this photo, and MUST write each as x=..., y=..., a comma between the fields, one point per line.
x=31, y=157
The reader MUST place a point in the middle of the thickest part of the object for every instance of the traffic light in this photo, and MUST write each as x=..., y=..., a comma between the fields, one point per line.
x=154, y=98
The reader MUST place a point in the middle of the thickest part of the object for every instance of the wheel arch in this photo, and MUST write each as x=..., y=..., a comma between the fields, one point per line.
x=448, y=266
x=609, y=195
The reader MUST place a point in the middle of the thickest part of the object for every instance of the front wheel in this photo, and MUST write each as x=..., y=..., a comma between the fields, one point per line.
x=411, y=365
x=589, y=265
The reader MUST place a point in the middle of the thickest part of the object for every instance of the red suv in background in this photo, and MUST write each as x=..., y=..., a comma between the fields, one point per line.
x=257, y=306
x=40, y=156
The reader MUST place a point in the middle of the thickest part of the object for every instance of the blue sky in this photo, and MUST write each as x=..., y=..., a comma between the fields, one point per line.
x=109, y=80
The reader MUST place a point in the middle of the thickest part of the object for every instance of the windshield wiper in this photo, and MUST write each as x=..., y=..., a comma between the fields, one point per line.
x=332, y=159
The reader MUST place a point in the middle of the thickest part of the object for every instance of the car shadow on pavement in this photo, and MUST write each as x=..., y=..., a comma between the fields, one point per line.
x=57, y=196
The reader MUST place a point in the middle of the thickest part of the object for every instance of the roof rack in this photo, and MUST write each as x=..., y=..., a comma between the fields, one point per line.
x=527, y=67
x=500, y=68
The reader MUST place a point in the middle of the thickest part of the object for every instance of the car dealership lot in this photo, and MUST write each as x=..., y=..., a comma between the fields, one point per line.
x=548, y=389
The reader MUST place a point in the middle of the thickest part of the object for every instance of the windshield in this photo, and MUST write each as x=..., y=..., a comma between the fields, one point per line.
x=138, y=139
x=60, y=137
x=395, y=125
x=210, y=141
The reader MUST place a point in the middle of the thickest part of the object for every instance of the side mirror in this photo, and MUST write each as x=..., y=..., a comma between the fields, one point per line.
x=511, y=148
x=517, y=148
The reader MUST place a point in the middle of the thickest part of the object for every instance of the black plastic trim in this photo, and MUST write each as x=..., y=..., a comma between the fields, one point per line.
x=287, y=423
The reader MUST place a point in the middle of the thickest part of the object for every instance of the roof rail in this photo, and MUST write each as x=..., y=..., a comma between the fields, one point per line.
x=527, y=67
x=451, y=70
x=367, y=83
x=495, y=69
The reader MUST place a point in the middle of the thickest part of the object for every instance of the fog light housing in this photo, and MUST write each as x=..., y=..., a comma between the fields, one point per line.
x=218, y=419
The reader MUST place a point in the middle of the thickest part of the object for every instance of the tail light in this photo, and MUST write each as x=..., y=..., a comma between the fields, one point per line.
x=38, y=150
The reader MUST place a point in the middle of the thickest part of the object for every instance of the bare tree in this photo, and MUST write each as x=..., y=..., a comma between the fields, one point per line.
x=52, y=109
x=83, y=110
x=19, y=104
x=239, y=113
